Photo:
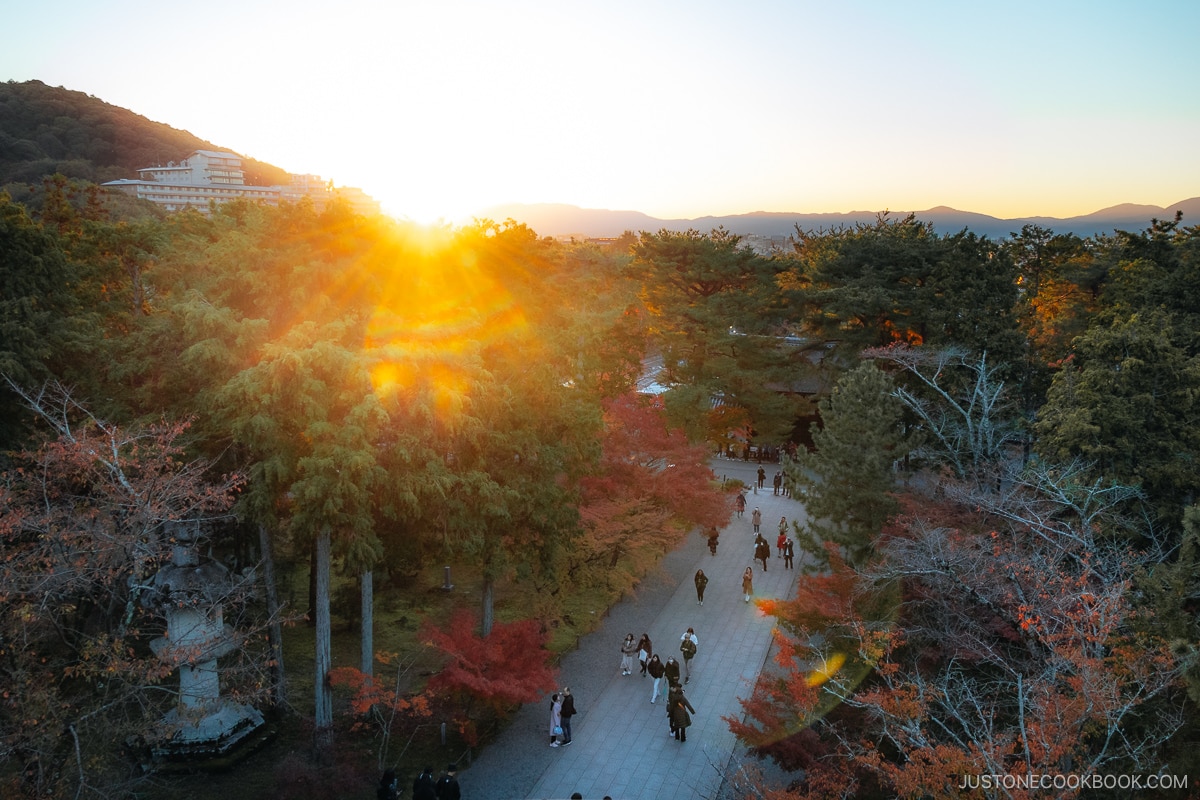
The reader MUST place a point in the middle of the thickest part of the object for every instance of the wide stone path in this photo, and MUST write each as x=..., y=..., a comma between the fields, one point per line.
x=622, y=746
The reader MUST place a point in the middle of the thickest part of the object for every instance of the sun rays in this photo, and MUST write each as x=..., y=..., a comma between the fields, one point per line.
x=439, y=311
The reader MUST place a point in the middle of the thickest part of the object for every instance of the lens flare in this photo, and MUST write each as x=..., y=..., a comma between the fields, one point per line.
x=826, y=671
x=440, y=309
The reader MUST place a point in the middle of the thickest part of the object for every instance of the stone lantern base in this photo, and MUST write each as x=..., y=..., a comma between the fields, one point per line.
x=222, y=728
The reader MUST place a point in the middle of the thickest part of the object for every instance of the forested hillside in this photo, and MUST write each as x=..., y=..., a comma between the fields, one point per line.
x=46, y=130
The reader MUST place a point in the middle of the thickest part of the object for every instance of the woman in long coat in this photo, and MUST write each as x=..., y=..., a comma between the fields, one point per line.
x=677, y=712
x=645, y=650
x=555, y=718
x=748, y=583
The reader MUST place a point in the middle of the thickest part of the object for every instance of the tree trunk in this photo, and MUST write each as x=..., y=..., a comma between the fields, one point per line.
x=489, y=600
x=275, y=629
x=311, y=617
x=367, y=589
x=323, y=713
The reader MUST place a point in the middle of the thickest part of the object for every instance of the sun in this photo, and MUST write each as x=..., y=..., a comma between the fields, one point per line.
x=431, y=207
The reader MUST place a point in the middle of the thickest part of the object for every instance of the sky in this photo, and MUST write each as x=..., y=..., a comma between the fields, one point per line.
x=441, y=109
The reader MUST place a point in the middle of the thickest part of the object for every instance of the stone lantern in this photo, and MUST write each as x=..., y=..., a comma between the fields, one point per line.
x=189, y=593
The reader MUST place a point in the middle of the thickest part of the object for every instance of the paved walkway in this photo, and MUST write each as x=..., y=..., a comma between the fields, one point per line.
x=622, y=746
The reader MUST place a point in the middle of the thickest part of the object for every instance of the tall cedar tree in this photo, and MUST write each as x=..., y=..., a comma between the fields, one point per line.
x=272, y=307
x=515, y=423
x=1127, y=401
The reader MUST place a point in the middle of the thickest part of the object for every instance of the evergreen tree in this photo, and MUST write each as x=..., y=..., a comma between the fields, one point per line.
x=1127, y=402
x=41, y=321
x=846, y=483
x=713, y=312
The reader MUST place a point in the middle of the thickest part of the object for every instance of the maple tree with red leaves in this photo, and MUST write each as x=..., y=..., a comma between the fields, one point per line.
x=510, y=665
x=372, y=702
x=651, y=487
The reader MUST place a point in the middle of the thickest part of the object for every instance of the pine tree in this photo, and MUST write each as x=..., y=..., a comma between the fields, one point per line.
x=847, y=480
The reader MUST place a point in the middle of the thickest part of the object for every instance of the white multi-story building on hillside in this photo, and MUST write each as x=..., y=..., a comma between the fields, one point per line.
x=211, y=176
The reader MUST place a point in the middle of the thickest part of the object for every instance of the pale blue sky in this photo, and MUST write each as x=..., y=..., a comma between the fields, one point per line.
x=677, y=109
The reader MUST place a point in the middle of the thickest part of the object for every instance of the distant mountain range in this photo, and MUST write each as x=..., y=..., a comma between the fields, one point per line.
x=552, y=219
x=46, y=129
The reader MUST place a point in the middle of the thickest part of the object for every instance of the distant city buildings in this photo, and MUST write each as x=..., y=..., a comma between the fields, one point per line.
x=212, y=176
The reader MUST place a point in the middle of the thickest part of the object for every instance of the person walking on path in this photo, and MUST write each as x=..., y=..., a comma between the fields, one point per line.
x=701, y=582
x=447, y=786
x=556, y=729
x=677, y=712
x=748, y=583
x=740, y=503
x=687, y=645
x=783, y=526
x=645, y=648
x=756, y=518
x=628, y=649
x=762, y=551
x=423, y=785
x=789, y=552
x=762, y=477
x=776, y=484
x=566, y=712
x=780, y=542
x=654, y=667
x=714, y=537
x=671, y=671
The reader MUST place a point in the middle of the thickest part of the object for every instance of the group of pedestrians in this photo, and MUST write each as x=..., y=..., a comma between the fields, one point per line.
x=424, y=787
x=779, y=486
x=668, y=676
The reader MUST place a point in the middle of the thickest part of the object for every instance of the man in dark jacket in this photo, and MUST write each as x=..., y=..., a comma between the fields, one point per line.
x=762, y=551
x=567, y=711
x=447, y=785
x=423, y=785
x=671, y=671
